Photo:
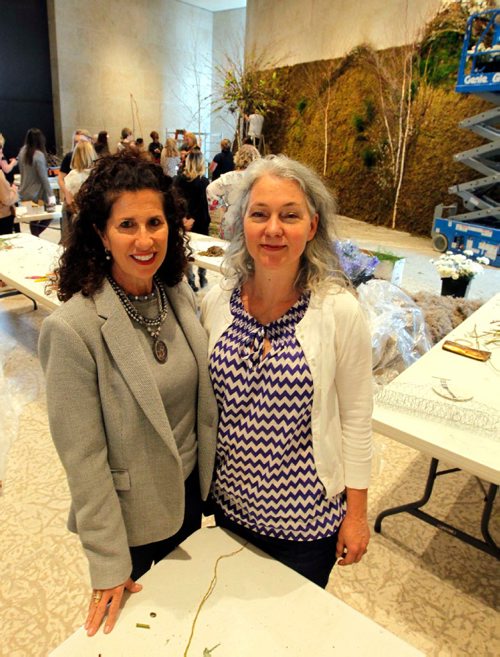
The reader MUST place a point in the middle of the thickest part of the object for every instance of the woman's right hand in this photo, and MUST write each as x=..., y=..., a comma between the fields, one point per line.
x=98, y=607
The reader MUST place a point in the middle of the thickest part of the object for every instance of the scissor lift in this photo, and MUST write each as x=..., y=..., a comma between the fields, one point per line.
x=478, y=227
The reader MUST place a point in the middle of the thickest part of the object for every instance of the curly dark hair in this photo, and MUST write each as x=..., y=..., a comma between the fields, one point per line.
x=83, y=265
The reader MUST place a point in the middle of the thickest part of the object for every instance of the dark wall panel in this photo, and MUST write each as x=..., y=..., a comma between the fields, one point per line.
x=25, y=79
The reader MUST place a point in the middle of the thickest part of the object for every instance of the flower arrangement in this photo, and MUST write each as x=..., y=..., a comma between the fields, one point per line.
x=459, y=265
x=357, y=266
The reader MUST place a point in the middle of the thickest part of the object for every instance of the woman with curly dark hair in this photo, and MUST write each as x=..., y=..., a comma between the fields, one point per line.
x=130, y=406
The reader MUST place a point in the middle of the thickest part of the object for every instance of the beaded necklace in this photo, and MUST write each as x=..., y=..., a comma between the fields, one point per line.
x=152, y=325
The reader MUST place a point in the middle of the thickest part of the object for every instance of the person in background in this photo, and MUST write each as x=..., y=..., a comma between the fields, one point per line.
x=64, y=169
x=155, y=147
x=5, y=166
x=35, y=185
x=183, y=153
x=126, y=140
x=101, y=145
x=192, y=184
x=82, y=161
x=139, y=148
x=8, y=197
x=130, y=407
x=170, y=159
x=255, y=124
x=219, y=191
x=290, y=360
x=223, y=161
x=65, y=166
x=189, y=140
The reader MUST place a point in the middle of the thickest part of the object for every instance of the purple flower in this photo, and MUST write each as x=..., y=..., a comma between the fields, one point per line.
x=356, y=265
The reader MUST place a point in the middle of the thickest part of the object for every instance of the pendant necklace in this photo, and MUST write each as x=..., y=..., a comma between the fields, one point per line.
x=152, y=325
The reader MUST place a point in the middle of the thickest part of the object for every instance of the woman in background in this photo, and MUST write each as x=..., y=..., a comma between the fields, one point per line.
x=35, y=185
x=223, y=161
x=170, y=159
x=5, y=166
x=291, y=364
x=82, y=162
x=155, y=147
x=8, y=196
x=219, y=191
x=126, y=140
x=101, y=145
x=192, y=184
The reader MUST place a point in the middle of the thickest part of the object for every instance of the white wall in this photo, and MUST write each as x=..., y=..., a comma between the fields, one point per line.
x=105, y=50
x=295, y=31
x=228, y=41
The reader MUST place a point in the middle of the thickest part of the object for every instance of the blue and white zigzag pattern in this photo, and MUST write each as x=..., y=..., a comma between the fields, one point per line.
x=265, y=476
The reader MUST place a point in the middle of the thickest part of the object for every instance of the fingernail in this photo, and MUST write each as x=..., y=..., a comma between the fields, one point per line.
x=107, y=629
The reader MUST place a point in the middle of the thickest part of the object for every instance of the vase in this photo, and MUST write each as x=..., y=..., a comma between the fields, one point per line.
x=455, y=287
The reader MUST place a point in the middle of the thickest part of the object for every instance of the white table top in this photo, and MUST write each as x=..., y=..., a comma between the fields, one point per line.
x=258, y=607
x=457, y=443
x=36, y=214
x=29, y=256
x=202, y=243
x=53, y=181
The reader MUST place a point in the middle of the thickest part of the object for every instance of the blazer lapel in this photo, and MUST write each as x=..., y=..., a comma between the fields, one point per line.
x=128, y=355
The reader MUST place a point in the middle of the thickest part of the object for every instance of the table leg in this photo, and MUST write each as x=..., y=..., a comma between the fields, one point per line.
x=485, y=520
x=411, y=505
x=414, y=508
x=12, y=293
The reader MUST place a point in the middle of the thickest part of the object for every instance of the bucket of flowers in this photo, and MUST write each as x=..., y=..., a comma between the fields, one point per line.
x=457, y=271
x=358, y=266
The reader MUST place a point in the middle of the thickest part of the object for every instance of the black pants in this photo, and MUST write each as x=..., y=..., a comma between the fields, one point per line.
x=7, y=225
x=312, y=559
x=38, y=227
x=144, y=556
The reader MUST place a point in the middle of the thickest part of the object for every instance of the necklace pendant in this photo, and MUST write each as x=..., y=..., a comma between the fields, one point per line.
x=160, y=351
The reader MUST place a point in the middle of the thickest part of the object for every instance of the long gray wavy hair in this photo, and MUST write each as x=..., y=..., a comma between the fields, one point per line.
x=319, y=264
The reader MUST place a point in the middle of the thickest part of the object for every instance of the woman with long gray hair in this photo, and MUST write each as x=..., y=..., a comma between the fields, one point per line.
x=290, y=363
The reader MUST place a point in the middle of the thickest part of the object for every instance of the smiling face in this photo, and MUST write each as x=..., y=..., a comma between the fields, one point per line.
x=136, y=234
x=278, y=225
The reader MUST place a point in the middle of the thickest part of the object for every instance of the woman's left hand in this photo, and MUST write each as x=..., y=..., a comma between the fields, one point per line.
x=352, y=541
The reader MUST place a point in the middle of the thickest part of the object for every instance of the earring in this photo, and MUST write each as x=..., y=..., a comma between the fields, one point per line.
x=107, y=254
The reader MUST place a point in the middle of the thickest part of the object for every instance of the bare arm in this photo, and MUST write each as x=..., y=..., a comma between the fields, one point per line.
x=7, y=168
x=354, y=533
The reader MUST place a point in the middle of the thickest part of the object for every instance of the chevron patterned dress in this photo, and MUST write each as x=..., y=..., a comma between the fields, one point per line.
x=265, y=476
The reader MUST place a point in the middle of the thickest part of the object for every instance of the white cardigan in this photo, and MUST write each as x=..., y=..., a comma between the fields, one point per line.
x=337, y=346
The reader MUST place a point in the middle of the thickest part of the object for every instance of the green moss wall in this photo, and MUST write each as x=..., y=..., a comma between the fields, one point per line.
x=298, y=130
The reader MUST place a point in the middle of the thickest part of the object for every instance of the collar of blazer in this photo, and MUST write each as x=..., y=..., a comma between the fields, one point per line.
x=123, y=341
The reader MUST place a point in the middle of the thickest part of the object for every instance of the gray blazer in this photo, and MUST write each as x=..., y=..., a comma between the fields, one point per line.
x=111, y=430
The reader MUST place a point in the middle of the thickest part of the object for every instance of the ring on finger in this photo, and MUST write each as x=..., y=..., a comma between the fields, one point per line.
x=97, y=597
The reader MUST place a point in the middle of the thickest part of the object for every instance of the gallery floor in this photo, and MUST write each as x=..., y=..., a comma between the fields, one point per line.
x=424, y=585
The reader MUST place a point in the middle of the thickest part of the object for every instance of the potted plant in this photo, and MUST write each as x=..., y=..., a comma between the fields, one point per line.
x=457, y=271
x=390, y=266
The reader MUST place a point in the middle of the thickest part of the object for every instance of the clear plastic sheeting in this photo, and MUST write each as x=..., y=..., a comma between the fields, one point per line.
x=397, y=326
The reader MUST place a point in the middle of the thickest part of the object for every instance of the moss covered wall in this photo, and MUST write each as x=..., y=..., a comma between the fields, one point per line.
x=298, y=131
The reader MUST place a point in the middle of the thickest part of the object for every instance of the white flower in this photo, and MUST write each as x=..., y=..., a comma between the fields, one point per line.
x=458, y=265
